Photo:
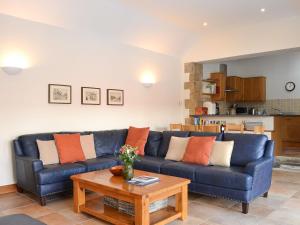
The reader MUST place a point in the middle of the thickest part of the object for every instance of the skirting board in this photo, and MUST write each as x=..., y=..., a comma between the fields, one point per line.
x=8, y=189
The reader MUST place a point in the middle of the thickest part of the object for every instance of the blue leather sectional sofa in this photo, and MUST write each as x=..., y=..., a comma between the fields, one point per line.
x=248, y=177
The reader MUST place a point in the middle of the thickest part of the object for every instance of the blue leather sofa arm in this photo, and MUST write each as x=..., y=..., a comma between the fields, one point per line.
x=261, y=171
x=26, y=169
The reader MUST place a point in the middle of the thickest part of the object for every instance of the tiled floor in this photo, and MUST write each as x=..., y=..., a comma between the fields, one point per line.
x=282, y=207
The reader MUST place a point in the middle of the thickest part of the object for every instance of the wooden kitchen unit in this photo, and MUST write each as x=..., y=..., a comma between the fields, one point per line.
x=286, y=136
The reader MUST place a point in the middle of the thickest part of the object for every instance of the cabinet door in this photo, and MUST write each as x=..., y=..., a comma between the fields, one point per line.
x=234, y=89
x=220, y=80
x=254, y=89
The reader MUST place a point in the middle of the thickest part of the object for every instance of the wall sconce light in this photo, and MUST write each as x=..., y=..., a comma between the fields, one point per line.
x=148, y=79
x=14, y=63
x=11, y=70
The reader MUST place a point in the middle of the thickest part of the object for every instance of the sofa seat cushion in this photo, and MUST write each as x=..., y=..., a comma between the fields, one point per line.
x=232, y=177
x=59, y=172
x=247, y=147
x=180, y=169
x=99, y=163
x=150, y=164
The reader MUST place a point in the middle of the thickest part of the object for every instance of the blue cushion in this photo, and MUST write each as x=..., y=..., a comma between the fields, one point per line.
x=109, y=142
x=218, y=136
x=150, y=164
x=99, y=163
x=232, y=177
x=59, y=172
x=153, y=142
x=180, y=169
x=247, y=147
x=166, y=137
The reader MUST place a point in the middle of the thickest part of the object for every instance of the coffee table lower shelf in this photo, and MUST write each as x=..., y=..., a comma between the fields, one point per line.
x=96, y=208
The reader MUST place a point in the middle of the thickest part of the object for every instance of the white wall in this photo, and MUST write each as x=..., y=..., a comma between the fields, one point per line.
x=60, y=56
x=278, y=68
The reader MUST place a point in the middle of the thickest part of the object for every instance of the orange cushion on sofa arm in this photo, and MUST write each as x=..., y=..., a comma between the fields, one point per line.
x=69, y=148
x=198, y=150
x=137, y=137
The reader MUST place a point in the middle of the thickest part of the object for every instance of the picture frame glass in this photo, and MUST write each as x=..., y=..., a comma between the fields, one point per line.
x=90, y=96
x=115, y=97
x=59, y=94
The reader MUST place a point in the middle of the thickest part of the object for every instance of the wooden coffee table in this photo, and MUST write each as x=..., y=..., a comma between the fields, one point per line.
x=104, y=183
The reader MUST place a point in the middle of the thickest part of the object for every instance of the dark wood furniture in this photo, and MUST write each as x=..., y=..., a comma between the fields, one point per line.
x=286, y=135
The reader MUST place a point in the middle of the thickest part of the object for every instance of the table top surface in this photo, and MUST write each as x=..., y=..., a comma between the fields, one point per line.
x=104, y=179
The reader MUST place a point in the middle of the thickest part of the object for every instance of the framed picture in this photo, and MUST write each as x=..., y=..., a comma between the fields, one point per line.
x=115, y=97
x=59, y=94
x=90, y=96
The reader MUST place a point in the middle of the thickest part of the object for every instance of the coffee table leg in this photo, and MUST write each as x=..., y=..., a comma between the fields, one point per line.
x=142, y=216
x=182, y=202
x=78, y=195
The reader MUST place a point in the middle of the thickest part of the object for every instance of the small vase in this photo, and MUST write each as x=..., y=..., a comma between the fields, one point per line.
x=128, y=172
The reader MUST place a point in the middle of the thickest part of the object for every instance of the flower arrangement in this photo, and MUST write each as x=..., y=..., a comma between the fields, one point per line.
x=127, y=155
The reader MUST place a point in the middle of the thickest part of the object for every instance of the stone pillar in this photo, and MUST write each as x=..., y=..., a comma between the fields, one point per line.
x=194, y=71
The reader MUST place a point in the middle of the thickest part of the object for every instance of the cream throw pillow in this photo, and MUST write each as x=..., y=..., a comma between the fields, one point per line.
x=88, y=146
x=221, y=153
x=48, y=152
x=177, y=148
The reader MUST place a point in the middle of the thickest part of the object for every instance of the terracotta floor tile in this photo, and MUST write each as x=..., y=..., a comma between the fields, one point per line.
x=221, y=202
x=259, y=211
x=33, y=210
x=76, y=217
x=297, y=195
x=94, y=222
x=292, y=203
x=285, y=216
x=60, y=204
x=189, y=221
x=10, y=202
x=56, y=219
x=282, y=207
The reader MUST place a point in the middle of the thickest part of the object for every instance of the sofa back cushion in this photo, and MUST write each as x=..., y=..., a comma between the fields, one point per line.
x=219, y=136
x=88, y=146
x=198, y=150
x=109, y=142
x=48, y=152
x=247, y=147
x=166, y=137
x=29, y=145
x=153, y=143
x=137, y=137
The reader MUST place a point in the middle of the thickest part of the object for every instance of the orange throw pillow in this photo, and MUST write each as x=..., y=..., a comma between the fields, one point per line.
x=69, y=148
x=198, y=150
x=137, y=137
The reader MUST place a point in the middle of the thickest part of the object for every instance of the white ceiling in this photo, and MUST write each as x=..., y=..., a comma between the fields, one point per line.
x=165, y=26
x=191, y=14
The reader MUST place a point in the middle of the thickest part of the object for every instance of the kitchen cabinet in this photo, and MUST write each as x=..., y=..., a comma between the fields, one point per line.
x=254, y=89
x=234, y=89
x=220, y=80
x=286, y=135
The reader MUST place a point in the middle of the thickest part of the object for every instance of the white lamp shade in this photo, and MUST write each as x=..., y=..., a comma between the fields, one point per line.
x=11, y=70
